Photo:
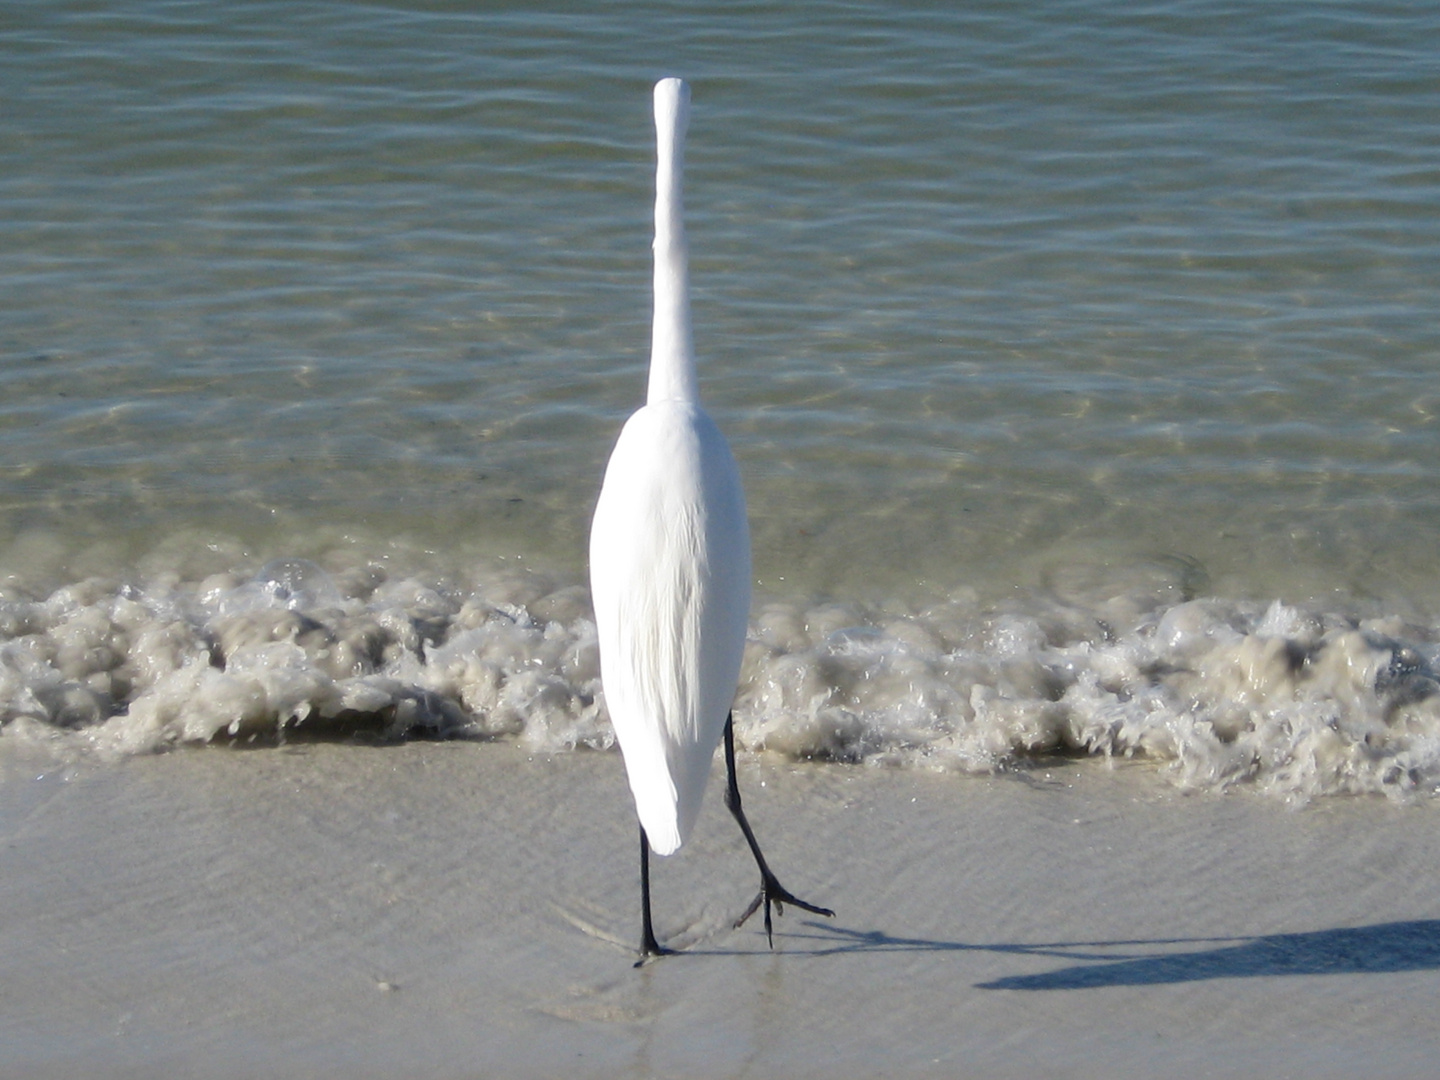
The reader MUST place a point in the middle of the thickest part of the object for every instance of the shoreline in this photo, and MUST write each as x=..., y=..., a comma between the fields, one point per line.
x=462, y=909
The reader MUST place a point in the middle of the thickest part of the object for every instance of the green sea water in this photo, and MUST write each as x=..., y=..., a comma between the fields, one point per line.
x=982, y=294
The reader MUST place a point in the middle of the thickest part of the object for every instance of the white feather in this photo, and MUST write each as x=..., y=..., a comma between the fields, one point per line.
x=669, y=546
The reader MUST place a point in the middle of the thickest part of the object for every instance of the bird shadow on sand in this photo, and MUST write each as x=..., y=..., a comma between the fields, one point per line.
x=1379, y=949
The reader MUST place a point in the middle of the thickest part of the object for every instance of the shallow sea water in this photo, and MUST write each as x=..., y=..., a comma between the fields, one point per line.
x=1078, y=358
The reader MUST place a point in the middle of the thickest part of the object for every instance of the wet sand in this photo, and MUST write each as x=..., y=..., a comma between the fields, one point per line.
x=463, y=910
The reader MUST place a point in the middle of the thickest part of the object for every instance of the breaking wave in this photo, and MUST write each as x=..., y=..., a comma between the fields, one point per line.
x=1291, y=701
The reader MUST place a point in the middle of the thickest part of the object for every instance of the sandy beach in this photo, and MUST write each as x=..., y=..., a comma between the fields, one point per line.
x=462, y=910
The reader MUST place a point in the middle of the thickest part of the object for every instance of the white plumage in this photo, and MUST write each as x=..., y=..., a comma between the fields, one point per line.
x=670, y=558
x=670, y=574
x=669, y=547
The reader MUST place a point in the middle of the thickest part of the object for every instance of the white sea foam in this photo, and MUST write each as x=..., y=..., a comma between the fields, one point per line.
x=1291, y=701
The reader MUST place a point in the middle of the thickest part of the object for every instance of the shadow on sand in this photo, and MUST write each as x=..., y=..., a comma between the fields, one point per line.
x=1384, y=947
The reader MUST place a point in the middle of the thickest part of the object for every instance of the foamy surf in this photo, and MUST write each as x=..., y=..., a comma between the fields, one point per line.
x=1291, y=701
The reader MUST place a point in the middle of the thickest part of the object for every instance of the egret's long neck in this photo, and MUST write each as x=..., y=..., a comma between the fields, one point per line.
x=672, y=355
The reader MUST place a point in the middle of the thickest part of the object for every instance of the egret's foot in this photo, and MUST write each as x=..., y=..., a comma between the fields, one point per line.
x=772, y=892
x=650, y=953
x=650, y=949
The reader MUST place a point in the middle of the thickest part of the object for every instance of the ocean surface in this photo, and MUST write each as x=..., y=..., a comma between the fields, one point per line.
x=1079, y=357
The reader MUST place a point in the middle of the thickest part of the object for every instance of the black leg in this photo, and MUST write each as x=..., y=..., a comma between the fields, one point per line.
x=649, y=947
x=771, y=891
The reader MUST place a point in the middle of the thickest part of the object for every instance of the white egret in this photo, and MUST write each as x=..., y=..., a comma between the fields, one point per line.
x=670, y=566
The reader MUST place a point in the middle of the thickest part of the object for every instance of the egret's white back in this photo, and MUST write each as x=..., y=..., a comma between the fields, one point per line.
x=670, y=547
